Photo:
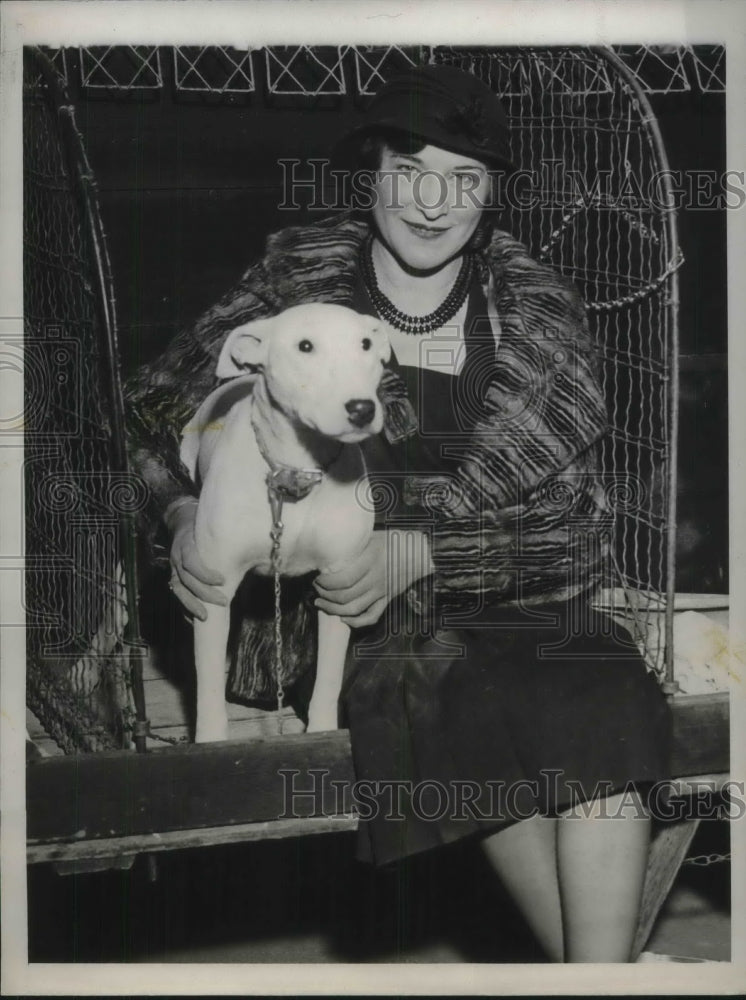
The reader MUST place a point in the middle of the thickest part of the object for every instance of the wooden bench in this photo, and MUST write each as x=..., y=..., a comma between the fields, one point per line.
x=98, y=811
x=120, y=802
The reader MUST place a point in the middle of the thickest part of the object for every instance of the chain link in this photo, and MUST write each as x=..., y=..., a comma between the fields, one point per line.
x=557, y=233
x=705, y=860
x=641, y=293
x=624, y=300
x=173, y=741
x=275, y=501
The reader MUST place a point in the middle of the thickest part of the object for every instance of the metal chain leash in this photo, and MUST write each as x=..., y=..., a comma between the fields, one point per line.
x=173, y=741
x=705, y=860
x=275, y=502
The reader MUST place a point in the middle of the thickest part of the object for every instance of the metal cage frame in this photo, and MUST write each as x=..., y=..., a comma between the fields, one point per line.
x=101, y=288
x=583, y=78
x=650, y=122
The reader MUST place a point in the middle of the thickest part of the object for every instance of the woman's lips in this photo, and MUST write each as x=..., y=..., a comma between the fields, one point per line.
x=425, y=232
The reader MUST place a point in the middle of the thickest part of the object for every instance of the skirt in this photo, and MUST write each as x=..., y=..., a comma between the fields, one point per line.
x=468, y=723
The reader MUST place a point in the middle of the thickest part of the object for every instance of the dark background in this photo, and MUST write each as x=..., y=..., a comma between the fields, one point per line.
x=190, y=186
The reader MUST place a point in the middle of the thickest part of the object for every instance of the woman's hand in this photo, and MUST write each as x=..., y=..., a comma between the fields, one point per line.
x=191, y=580
x=360, y=591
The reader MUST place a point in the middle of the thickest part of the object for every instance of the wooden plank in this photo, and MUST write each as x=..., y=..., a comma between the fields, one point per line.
x=698, y=784
x=165, y=703
x=167, y=709
x=121, y=793
x=169, y=715
x=110, y=852
x=667, y=851
x=617, y=599
x=701, y=734
x=88, y=865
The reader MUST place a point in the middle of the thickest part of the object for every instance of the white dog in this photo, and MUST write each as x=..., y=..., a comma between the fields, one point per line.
x=294, y=421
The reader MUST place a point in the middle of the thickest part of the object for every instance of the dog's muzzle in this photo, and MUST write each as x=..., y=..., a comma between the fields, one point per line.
x=360, y=412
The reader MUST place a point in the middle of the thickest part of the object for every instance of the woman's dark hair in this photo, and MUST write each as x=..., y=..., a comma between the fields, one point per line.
x=366, y=156
x=372, y=145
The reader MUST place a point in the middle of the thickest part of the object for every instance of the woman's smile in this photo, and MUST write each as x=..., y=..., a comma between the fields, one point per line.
x=426, y=232
x=428, y=205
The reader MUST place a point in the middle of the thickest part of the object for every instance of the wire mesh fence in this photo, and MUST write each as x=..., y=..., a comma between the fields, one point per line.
x=596, y=206
x=79, y=681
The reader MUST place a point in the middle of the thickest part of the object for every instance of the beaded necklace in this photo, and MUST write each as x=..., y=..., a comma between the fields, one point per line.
x=415, y=324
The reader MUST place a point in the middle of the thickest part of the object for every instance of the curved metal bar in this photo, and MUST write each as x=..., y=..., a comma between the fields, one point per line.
x=650, y=122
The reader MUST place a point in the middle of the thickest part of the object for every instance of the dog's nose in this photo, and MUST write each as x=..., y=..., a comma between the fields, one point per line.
x=361, y=411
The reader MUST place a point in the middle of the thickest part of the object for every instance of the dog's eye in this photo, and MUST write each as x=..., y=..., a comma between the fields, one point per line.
x=306, y=346
x=367, y=343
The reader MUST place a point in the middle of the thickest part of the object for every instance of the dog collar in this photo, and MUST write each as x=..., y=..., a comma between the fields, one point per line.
x=290, y=483
x=286, y=482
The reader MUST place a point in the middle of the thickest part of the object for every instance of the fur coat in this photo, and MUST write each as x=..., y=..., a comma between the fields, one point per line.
x=526, y=517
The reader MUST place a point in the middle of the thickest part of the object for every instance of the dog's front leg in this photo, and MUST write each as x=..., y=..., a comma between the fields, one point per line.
x=210, y=644
x=334, y=637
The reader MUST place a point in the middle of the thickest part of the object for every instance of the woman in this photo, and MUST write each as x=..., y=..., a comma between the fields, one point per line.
x=480, y=673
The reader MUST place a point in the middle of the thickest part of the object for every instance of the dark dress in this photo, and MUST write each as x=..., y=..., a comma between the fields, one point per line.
x=484, y=712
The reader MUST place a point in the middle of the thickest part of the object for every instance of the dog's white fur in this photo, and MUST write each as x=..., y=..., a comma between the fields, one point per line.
x=296, y=398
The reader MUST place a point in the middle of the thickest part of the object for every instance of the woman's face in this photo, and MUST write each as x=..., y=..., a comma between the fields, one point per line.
x=428, y=204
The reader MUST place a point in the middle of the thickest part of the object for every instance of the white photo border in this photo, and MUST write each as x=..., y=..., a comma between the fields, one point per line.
x=266, y=22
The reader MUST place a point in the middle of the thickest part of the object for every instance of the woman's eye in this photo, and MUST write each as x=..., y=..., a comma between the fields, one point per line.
x=404, y=168
x=367, y=344
x=306, y=346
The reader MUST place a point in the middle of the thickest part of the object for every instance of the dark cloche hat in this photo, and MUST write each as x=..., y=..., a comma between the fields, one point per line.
x=446, y=107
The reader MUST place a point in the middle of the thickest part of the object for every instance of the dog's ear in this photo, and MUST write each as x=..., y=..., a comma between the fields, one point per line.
x=380, y=340
x=245, y=347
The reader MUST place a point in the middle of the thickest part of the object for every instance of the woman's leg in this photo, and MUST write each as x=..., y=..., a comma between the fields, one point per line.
x=524, y=856
x=602, y=853
x=578, y=880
